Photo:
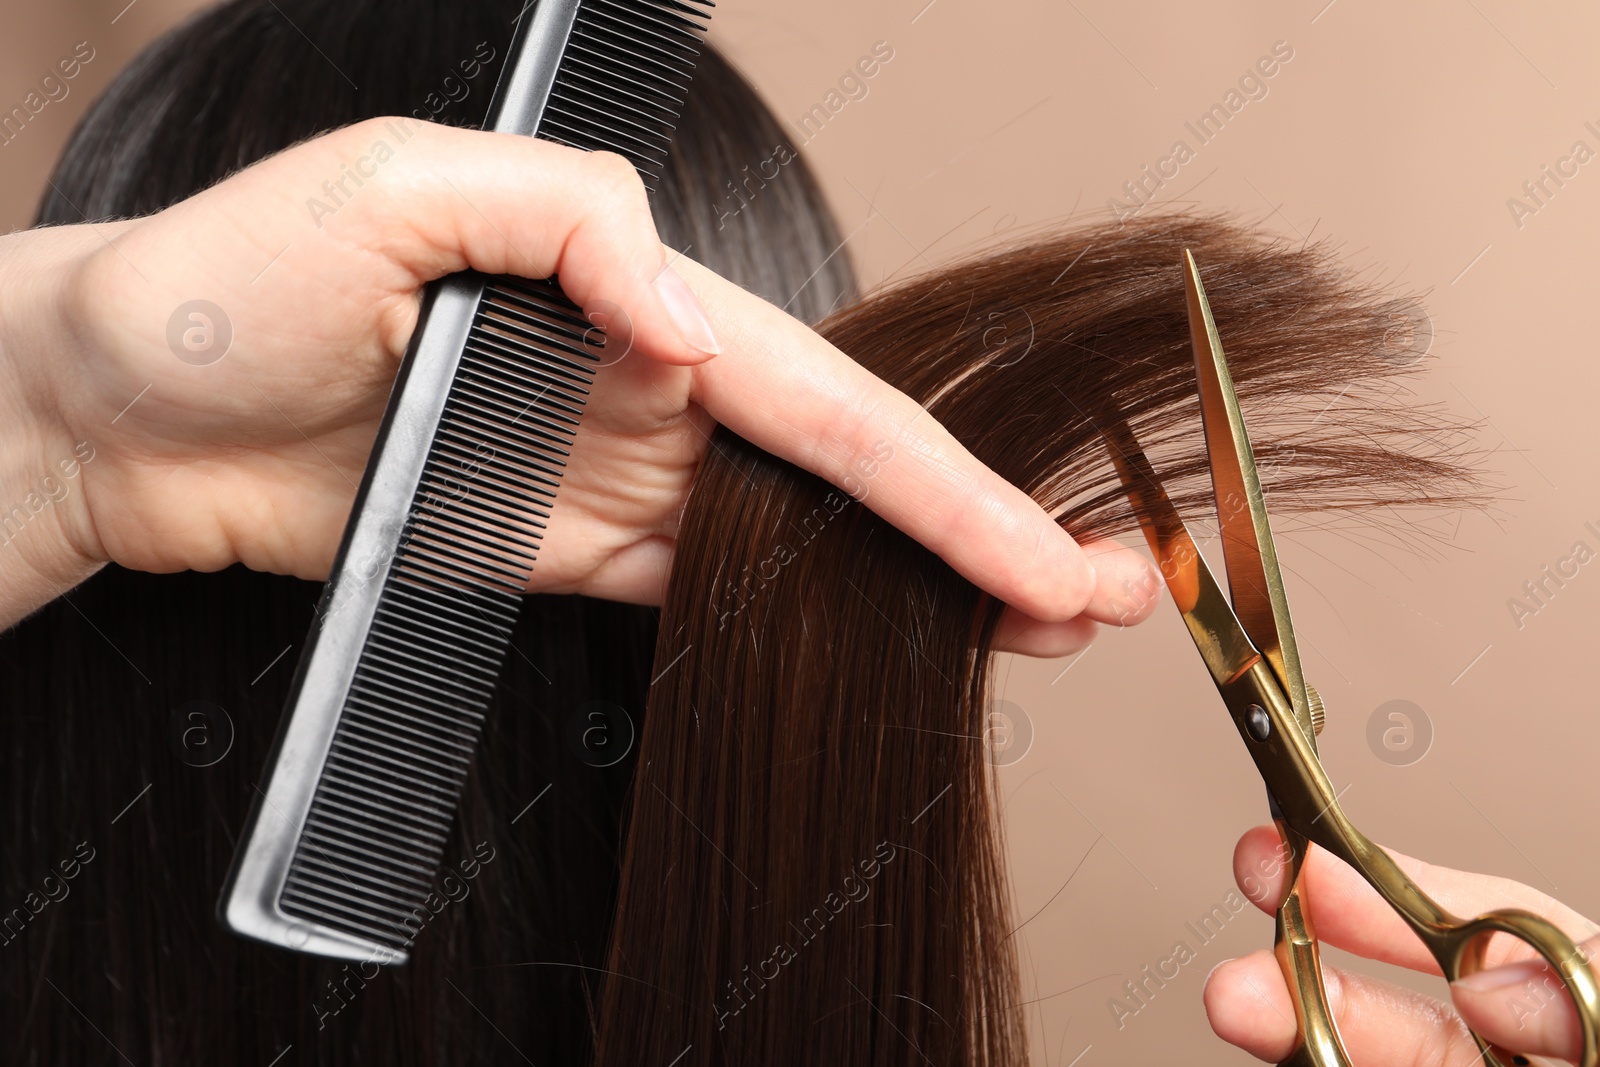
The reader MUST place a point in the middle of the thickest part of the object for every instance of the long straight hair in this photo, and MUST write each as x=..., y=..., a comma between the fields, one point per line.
x=814, y=871
x=137, y=710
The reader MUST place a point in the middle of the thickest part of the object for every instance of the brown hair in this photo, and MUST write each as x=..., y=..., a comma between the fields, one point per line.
x=813, y=870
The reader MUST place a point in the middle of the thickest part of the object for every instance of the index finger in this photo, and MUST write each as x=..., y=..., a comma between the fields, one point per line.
x=783, y=387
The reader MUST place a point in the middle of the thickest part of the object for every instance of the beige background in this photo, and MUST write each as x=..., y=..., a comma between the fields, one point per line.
x=1399, y=130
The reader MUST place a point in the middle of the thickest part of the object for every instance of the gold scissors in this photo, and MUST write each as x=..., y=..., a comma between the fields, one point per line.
x=1249, y=648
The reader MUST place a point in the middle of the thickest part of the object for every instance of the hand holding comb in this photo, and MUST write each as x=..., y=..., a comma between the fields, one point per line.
x=348, y=828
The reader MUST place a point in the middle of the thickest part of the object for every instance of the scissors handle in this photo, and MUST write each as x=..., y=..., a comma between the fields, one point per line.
x=1309, y=813
x=1295, y=944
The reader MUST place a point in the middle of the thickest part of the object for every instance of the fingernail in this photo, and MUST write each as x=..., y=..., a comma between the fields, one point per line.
x=1500, y=977
x=687, y=314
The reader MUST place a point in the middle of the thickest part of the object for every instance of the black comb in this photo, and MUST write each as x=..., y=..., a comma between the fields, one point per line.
x=346, y=836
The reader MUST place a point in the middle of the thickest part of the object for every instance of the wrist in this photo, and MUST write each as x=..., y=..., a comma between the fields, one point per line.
x=47, y=542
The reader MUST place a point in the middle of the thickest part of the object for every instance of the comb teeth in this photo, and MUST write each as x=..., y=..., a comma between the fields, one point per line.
x=624, y=78
x=380, y=817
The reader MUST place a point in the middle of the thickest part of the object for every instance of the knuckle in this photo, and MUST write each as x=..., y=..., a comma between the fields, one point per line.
x=85, y=292
x=835, y=452
x=618, y=177
x=78, y=286
x=859, y=410
x=356, y=134
x=983, y=518
x=1444, y=1037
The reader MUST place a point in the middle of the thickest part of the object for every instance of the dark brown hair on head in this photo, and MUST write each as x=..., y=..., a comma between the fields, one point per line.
x=813, y=871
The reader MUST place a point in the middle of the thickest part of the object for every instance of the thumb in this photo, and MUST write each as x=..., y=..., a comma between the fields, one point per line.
x=1524, y=1006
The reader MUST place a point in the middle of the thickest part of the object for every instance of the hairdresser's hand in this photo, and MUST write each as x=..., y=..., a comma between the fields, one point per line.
x=202, y=458
x=1517, y=1003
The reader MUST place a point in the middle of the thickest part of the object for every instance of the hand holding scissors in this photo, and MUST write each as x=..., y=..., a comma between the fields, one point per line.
x=1518, y=1002
x=1249, y=648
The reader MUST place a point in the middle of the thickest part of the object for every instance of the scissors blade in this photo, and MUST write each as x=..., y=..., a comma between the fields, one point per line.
x=1254, y=578
x=1216, y=630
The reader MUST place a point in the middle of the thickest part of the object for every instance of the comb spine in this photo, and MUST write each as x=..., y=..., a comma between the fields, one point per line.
x=526, y=80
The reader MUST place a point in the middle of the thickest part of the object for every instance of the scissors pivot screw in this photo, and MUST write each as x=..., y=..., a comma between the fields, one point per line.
x=1319, y=714
x=1258, y=722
